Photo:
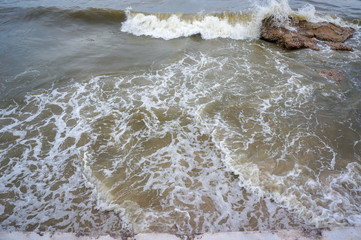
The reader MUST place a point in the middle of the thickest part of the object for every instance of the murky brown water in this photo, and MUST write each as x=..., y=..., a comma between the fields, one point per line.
x=105, y=126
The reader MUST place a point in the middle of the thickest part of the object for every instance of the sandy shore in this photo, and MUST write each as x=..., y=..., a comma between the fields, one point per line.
x=353, y=233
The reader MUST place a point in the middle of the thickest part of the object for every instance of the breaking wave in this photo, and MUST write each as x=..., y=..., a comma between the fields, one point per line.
x=233, y=25
x=232, y=138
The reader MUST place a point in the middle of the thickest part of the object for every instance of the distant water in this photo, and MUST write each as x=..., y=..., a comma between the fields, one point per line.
x=172, y=116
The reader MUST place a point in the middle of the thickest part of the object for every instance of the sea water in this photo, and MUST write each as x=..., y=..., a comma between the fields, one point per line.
x=172, y=116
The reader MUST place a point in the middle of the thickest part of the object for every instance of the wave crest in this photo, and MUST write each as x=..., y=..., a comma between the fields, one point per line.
x=233, y=25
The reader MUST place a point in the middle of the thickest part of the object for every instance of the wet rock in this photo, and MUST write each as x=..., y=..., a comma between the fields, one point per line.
x=339, y=46
x=295, y=34
x=333, y=74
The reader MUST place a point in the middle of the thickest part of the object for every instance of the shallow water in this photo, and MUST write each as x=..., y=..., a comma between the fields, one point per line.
x=174, y=117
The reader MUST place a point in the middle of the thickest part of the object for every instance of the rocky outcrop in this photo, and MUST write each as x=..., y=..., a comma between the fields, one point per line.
x=333, y=74
x=339, y=46
x=296, y=34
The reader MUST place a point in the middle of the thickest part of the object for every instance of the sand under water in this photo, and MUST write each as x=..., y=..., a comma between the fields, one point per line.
x=174, y=117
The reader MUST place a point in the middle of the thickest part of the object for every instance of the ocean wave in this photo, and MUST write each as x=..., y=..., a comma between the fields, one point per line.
x=234, y=25
x=60, y=15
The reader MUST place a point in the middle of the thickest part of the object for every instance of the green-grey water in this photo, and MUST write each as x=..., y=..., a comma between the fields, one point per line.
x=167, y=118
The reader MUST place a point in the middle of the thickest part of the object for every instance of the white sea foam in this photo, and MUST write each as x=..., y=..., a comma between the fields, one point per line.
x=209, y=26
x=174, y=26
x=43, y=178
x=139, y=148
x=266, y=132
x=173, y=183
x=158, y=147
x=276, y=146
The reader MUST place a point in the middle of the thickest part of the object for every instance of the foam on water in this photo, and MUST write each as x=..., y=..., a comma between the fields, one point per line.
x=42, y=182
x=164, y=171
x=175, y=26
x=240, y=25
x=282, y=144
x=136, y=145
x=232, y=139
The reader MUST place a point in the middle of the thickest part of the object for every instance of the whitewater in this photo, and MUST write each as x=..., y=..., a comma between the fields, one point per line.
x=175, y=117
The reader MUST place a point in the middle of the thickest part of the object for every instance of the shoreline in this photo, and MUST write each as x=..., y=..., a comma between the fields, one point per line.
x=353, y=233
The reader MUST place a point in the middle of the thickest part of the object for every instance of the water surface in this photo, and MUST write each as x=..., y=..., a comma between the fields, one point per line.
x=163, y=116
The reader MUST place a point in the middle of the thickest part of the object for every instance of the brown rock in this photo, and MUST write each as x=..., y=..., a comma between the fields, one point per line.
x=333, y=74
x=325, y=31
x=273, y=31
x=293, y=34
x=339, y=46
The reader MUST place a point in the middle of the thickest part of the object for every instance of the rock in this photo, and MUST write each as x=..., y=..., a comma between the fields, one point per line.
x=339, y=46
x=333, y=74
x=296, y=34
x=325, y=31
